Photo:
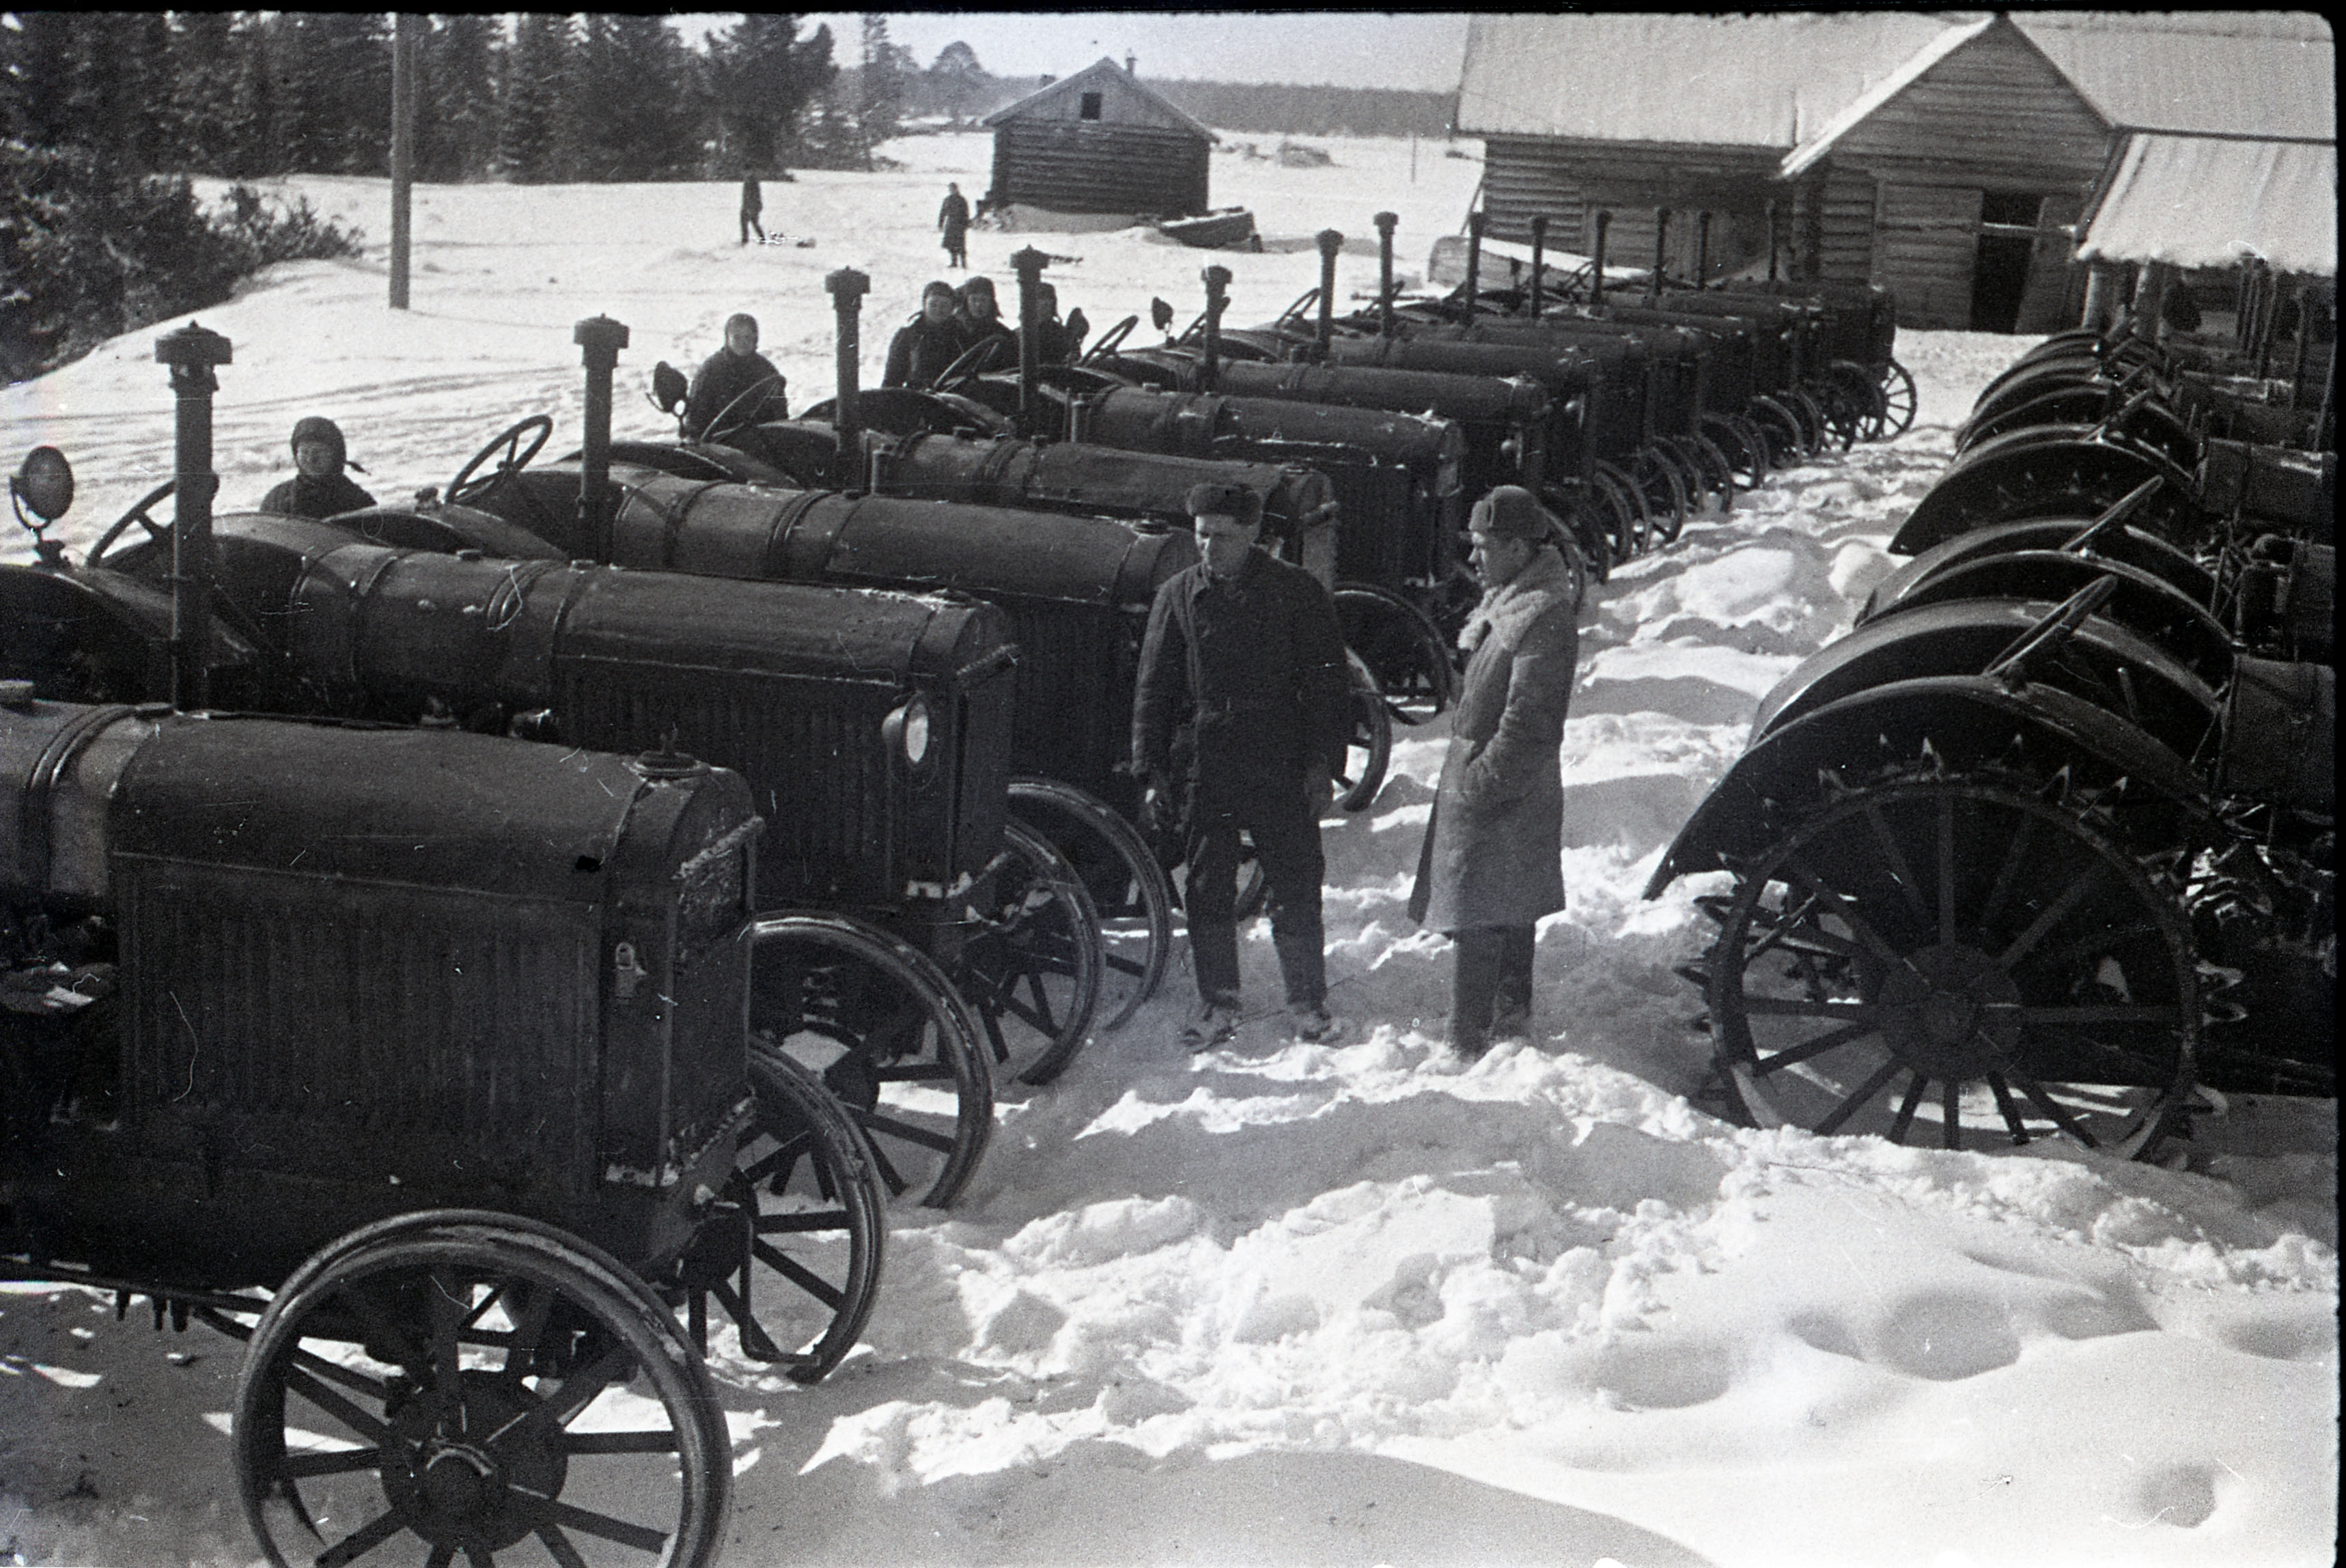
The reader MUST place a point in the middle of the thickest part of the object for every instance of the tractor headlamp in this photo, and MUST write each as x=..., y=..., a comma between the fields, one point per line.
x=907, y=728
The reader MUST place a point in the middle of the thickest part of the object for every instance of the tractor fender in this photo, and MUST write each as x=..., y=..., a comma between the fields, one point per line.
x=1961, y=721
x=64, y=629
x=2125, y=544
x=2102, y=662
x=2149, y=605
x=2002, y=479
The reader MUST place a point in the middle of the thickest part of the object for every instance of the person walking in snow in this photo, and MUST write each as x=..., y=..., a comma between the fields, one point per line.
x=728, y=386
x=926, y=346
x=1491, y=862
x=753, y=202
x=953, y=218
x=319, y=487
x=1240, y=717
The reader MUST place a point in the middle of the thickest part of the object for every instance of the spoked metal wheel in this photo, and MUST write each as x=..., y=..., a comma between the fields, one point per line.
x=1712, y=473
x=1031, y=964
x=1366, y=758
x=1128, y=889
x=1740, y=440
x=892, y=1039
x=792, y=1255
x=1815, y=423
x=1780, y=428
x=1664, y=487
x=1897, y=400
x=490, y=1388
x=1629, y=502
x=1969, y=963
x=1402, y=648
x=1853, y=399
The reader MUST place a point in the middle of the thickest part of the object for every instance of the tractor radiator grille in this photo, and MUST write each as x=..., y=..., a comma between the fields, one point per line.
x=322, y=1027
x=811, y=750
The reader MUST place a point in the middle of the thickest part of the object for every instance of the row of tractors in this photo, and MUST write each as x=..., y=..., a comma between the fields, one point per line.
x=471, y=948
x=2046, y=845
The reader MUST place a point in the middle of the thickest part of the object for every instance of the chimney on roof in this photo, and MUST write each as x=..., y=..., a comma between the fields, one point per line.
x=1131, y=62
x=1048, y=78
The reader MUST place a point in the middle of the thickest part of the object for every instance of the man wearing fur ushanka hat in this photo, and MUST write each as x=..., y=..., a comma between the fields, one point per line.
x=319, y=487
x=1492, y=863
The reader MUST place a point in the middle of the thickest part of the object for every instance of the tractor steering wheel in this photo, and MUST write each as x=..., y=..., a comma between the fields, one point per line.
x=1108, y=342
x=970, y=364
x=159, y=532
x=515, y=458
x=749, y=401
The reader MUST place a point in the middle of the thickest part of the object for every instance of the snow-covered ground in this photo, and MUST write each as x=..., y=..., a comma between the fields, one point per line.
x=1337, y=1304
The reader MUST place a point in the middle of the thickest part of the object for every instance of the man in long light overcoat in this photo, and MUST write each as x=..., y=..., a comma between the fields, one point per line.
x=1492, y=863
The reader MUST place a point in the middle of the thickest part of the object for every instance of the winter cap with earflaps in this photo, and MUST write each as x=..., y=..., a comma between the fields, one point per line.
x=1213, y=499
x=1509, y=511
x=317, y=427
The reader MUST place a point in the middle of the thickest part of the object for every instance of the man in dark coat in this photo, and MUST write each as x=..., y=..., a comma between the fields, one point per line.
x=1057, y=342
x=982, y=323
x=753, y=202
x=953, y=218
x=319, y=488
x=1242, y=706
x=1492, y=863
x=926, y=346
x=737, y=384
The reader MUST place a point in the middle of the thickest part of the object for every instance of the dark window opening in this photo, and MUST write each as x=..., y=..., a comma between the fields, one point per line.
x=1090, y=109
x=2010, y=207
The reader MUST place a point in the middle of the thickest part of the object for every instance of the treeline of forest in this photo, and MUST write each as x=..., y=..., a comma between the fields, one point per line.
x=105, y=115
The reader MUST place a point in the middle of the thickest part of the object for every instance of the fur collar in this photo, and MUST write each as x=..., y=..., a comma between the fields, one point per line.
x=1511, y=607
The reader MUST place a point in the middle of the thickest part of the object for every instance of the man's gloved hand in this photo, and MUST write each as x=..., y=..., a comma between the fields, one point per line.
x=1320, y=791
x=1156, y=805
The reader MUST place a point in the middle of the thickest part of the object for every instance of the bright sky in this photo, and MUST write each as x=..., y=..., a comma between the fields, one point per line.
x=1416, y=50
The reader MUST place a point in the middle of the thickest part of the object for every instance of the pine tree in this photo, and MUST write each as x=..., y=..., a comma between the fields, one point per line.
x=880, y=84
x=531, y=139
x=762, y=74
x=456, y=98
x=203, y=104
x=252, y=153
x=351, y=53
x=650, y=97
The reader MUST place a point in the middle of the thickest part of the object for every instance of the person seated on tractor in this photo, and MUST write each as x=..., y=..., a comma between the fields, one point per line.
x=1057, y=342
x=737, y=383
x=319, y=488
x=927, y=345
x=982, y=323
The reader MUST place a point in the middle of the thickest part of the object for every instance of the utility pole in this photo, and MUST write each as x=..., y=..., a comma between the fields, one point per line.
x=405, y=31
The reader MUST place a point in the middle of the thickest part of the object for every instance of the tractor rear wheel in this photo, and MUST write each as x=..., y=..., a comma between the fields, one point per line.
x=1971, y=962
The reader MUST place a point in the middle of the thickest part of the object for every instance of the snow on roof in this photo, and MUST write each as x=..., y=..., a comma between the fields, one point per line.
x=1785, y=80
x=2206, y=200
x=1770, y=80
x=1099, y=69
x=2245, y=72
x=1861, y=107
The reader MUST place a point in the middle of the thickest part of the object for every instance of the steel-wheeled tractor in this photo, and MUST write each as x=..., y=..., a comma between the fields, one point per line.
x=2044, y=848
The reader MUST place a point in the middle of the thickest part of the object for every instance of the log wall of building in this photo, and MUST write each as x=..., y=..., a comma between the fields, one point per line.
x=1079, y=166
x=1570, y=181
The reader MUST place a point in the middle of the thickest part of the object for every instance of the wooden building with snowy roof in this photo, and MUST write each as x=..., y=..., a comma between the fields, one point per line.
x=1944, y=156
x=1099, y=141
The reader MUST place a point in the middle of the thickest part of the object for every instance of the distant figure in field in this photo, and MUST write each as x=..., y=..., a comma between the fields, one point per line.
x=926, y=346
x=953, y=218
x=753, y=202
x=319, y=488
x=737, y=385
